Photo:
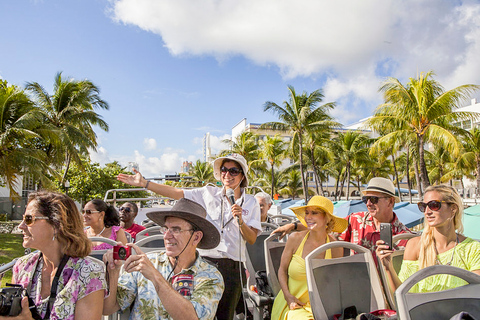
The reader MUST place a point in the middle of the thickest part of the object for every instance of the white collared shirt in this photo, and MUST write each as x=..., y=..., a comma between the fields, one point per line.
x=215, y=202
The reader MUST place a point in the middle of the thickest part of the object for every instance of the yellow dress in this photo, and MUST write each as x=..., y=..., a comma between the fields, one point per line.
x=297, y=285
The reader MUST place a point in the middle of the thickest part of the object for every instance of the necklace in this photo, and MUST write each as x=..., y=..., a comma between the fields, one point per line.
x=449, y=263
x=99, y=234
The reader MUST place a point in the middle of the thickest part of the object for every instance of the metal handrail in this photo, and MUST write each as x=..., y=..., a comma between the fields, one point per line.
x=7, y=267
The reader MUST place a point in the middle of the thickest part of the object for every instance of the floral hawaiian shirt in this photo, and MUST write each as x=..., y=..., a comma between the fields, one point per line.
x=80, y=277
x=361, y=230
x=202, y=284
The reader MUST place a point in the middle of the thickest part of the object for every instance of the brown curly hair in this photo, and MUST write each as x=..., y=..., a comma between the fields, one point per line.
x=64, y=216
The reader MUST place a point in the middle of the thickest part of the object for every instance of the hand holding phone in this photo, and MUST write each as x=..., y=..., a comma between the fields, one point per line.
x=386, y=234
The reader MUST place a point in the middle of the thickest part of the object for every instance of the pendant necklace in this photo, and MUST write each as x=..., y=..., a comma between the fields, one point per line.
x=99, y=234
x=437, y=261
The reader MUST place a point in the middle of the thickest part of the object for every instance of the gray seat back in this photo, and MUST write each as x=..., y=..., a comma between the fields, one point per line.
x=273, y=255
x=151, y=242
x=154, y=230
x=335, y=284
x=98, y=254
x=442, y=304
x=397, y=259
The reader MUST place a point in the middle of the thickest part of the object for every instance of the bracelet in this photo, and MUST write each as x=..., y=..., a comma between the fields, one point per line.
x=241, y=224
x=295, y=223
x=146, y=186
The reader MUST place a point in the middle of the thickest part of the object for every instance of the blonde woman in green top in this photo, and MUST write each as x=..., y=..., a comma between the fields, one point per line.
x=441, y=242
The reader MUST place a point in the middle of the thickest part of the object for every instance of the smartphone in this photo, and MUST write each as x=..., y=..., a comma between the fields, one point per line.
x=386, y=234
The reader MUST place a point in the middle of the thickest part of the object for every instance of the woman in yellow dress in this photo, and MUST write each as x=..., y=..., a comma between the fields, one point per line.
x=293, y=301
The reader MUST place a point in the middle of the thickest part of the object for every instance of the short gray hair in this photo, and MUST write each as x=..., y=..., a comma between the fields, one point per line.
x=265, y=196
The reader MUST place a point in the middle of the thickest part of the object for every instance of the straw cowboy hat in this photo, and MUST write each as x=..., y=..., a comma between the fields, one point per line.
x=382, y=185
x=231, y=157
x=195, y=214
x=326, y=206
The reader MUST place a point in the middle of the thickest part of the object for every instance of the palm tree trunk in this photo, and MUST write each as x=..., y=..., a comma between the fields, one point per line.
x=336, y=184
x=64, y=178
x=273, y=179
x=396, y=176
x=348, y=182
x=423, y=166
x=305, y=187
x=408, y=174
x=417, y=177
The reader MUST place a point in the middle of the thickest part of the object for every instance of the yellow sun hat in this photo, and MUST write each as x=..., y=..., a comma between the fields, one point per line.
x=326, y=206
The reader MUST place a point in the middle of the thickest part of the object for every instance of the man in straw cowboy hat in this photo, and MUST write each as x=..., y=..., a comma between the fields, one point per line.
x=173, y=284
x=238, y=222
x=364, y=227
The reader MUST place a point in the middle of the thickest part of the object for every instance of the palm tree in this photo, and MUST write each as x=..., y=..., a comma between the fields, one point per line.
x=351, y=147
x=300, y=115
x=293, y=184
x=273, y=152
x=424, y=110
x=71, y=110
x=471, y=154
x=202, y=172
x=20, y=129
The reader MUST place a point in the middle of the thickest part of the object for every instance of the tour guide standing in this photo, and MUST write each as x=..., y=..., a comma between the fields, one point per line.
x=172, y=284
x=231, y=220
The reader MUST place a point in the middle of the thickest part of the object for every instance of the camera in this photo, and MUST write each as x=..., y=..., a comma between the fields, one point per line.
x=121, y=252
x=11, y=300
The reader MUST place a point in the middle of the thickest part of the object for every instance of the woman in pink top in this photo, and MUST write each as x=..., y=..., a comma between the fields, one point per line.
x=102, y=220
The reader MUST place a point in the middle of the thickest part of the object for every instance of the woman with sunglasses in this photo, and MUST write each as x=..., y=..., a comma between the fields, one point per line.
x=53, y=225
x=237, y=223
x=102, y=220
x=441, y=242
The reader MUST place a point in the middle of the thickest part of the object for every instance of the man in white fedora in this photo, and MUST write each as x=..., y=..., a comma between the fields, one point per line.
x=173, y=284
x=364, y=227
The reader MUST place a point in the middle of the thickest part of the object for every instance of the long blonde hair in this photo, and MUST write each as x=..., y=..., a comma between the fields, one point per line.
x=428, y=255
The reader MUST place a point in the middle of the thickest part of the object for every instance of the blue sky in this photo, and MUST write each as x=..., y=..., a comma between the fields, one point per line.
x=173, y=70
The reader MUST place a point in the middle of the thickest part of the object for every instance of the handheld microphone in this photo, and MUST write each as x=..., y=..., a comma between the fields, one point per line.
x=231, y=198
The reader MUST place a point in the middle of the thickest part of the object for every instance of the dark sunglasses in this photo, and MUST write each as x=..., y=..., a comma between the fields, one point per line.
x=373, y=199
x=29, y=219
x=89, y=212
x=434, y=205
x=234, y=171
x=125, y=209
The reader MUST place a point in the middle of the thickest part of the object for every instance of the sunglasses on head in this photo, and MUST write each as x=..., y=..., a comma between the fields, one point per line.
x=29, y=219
x=125, y=209
x=373, y=199
x=434, y=205
x=234, y=171
x=89, y=212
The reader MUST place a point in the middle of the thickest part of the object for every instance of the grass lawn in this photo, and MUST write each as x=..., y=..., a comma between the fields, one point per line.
x=10, y=248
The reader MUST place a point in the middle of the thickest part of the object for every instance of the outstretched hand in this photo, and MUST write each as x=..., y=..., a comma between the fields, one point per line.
x=132, y=179
x=384, y=254
x=284, y=230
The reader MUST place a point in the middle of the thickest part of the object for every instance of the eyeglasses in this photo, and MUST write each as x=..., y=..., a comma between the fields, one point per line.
x=434, y=205
x=373, y=199
x=30, y=219
x=89, y=212
x=173, y=230
x=125, y=209
x=234, y=171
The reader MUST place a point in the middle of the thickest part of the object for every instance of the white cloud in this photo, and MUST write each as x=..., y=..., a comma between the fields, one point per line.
x=100, y=156
x=150, y=144
x=356, y=43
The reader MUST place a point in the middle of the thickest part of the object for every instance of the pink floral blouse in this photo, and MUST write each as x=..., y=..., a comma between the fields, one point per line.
x=79, y=278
